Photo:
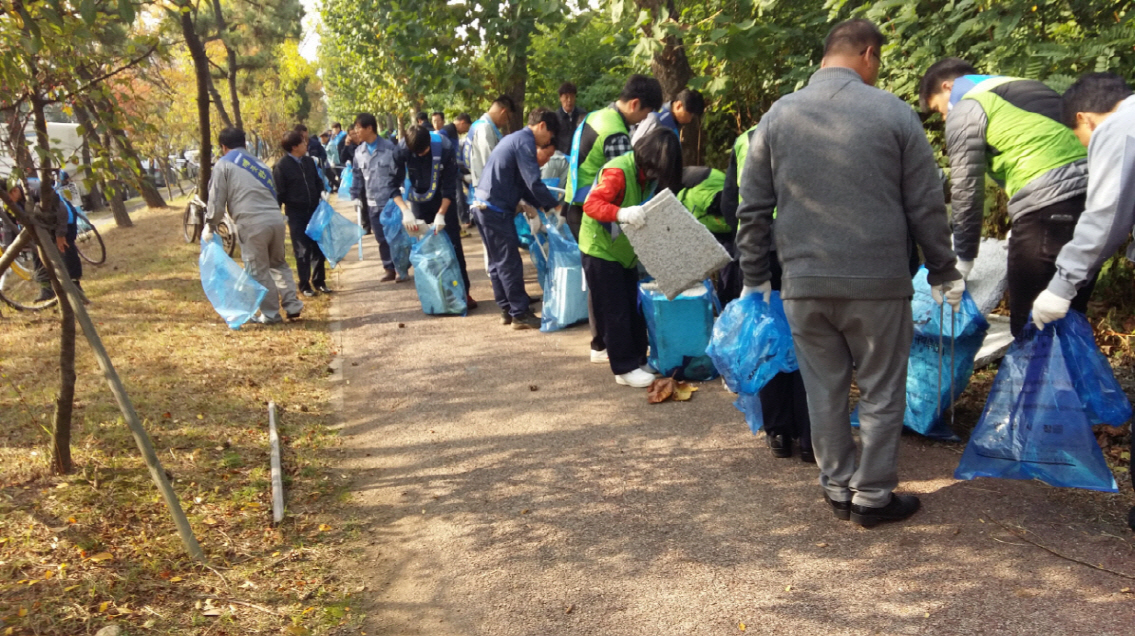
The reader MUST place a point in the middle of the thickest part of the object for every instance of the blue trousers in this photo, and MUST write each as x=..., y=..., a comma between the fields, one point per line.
x=376, y=229
x=506, y=269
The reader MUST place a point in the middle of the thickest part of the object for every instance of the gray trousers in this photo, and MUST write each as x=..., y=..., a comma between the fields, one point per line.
x=832, y=335
x=262, y=250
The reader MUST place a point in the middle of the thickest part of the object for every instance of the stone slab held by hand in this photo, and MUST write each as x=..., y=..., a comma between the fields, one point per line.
x=674, y=247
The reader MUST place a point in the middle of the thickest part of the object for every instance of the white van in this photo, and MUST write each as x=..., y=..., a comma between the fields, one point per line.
x=64, y=138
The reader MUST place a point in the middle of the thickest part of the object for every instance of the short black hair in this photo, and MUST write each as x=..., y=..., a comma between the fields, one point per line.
x=231, y=138
x=643, y=88
x=1094, y=93
x=418, y=139
x=548, y=118
x=291, y=139
x=422, y=116
x=944, y=70
x=659, y=156
x=437, y=113
x=366, y=120
x=463, y=117
x=505, y=102
x=300, y=128
x=567, y=88
x=854, y=36
x=692, y=100
x=336, y=124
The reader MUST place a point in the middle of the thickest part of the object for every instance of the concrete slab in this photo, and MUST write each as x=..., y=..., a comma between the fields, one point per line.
x=997, y=341
x=990, y=276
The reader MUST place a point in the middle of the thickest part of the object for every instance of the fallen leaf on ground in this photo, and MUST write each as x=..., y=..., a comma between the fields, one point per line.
x=101, y=556
x=684, y=391
x=660, y=390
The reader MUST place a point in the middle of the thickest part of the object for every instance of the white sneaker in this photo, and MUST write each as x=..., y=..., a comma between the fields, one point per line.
x=599, y=357
x=638, y=379
x=649, y=369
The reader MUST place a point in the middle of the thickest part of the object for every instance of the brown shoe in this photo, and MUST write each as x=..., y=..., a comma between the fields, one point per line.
x=470, y=304
x=388, y=276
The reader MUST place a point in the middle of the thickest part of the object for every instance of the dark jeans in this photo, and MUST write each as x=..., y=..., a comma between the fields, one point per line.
x=427, y=212
x=1036, y=241
x=506, y=269
x=618, y=318
x=784, y=407
x=71, y=260
x=311, y=266
x=729, y=281
x=376, y=228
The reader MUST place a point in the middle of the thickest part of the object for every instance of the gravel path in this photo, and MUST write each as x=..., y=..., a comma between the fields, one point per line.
x=506, y=486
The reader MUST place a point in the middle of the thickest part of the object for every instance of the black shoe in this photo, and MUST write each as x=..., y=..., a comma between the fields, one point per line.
x=506, y=318
x=471, y=304
x=45, y=294
x=900, y=507
x=310, y=293
x=388, y=276
x=294, y=316
x=538, y=298
x=324, y=289
x=841, y=509
x=526, y=320
x=807, y=455
x=781, y=445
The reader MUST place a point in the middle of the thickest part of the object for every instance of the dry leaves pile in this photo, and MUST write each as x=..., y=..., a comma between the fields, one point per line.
x=664, y=389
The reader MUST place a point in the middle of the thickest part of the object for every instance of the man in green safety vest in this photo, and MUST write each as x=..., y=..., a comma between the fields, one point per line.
x=1012, y=129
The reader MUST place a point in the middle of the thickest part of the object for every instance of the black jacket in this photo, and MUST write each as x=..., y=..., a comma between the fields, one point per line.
x=316, y=150
x=297, y=185
x=568, y=124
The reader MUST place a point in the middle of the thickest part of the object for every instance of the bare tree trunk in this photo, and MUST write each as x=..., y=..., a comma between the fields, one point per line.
x=65, y=402
x=201, y=72
x=231, y=68
x=116, y=192
x=15, y=123
x=217, y=101
x=93, y=193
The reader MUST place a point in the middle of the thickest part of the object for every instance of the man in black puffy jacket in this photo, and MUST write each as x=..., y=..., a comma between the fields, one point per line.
x=298, y=188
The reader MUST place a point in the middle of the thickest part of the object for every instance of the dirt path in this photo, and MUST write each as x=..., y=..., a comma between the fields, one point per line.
x=508, y=487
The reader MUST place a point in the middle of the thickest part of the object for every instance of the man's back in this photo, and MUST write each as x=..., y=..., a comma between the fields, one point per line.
x=245, y=186
x=852, y=177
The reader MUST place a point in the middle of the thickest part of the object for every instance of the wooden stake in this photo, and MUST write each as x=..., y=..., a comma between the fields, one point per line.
x=141, y=438
x=277, y=473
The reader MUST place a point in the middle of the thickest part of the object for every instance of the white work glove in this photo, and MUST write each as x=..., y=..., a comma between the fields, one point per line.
x=951, y=292
x=964, y=268
x=1048, y=307
x=439, y=223
x=207, y=233
x=535, y=224
x=554, y=218
x=764, y=289
x=409, y=222
x=633, y=216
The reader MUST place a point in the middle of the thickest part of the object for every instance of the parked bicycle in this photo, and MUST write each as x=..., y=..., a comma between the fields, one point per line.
x=193, y=222
x=18, y=287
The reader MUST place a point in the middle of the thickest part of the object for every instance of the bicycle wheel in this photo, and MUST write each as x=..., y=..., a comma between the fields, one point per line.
x=191, y=225
x=227, y=238
x=89, y=241
x=18, y=287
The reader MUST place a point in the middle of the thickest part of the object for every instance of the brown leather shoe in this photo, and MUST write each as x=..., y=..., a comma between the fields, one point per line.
x=388, y=276
x=470, y=304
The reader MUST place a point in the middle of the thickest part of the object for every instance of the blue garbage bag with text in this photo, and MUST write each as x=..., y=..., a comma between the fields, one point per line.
x=345, y=183
x=523, y=231
x=679, y=331
x=928, y=384
x=233, y=293
x=396, y=237
x=437, y=276
x=565, y=297
x=752, y=343
x=334, y=233
x=1037, y=422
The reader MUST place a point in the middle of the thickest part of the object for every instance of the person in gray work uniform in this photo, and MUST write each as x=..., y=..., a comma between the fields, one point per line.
x=243, y=185
x=849, y=172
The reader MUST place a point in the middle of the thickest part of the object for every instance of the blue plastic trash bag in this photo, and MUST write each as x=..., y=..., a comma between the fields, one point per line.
x=565, y=297
x=750, y=406
x=1036, y=423
x=233, y=293
x=334, y=233
x=345, y=183
x=751, y=343
x=437, y=276
x=396, y=237
x=1091, y=373
x=538, y=255
x=679, y=331
x=524, y=231
x=927, y=398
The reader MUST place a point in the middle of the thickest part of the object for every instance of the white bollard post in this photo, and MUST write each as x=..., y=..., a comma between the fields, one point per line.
x=277, y=472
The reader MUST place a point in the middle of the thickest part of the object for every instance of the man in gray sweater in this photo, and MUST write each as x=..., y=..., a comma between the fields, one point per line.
x=846, y=171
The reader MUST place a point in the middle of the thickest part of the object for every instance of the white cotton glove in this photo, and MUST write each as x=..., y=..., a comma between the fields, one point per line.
x=764, y=289
x=409, y=222
x=964, y=268
x=206, y=233
x=439, y=223
x=1048, y=307
x=951, y=292
x=535, y=224
x=633, y=216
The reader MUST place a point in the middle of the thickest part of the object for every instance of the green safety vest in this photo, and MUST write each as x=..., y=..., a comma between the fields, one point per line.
x=698, y=199
x=741, y=151
x=605, y=122
x=1028, y=144
x=595, y=239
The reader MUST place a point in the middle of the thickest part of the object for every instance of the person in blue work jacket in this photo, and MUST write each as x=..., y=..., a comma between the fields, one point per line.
x=429, y=159
x=511, y=174
x=376, y=164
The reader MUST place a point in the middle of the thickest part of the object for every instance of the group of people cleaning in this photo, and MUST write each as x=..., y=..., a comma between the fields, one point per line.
x=848, y=175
